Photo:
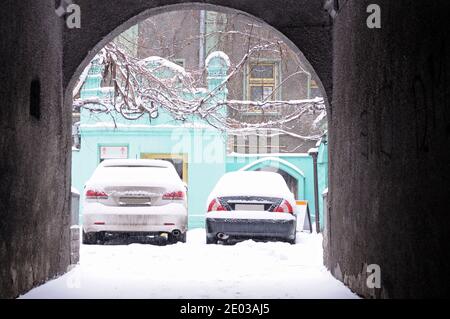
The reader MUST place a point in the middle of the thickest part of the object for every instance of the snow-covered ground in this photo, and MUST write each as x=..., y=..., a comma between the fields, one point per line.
x=196, y=270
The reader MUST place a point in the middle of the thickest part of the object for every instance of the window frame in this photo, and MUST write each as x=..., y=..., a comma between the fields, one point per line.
x=273, y=82
x=99, y=150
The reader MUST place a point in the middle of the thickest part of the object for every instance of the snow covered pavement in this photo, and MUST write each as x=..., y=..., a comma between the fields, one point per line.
x=196, y=270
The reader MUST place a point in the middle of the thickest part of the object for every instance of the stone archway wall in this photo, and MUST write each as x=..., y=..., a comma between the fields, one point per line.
x=389, y=148
x=34, y=148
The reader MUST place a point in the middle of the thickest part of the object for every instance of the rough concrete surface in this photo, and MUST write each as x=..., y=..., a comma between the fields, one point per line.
x=34, y=152
x=390, y=149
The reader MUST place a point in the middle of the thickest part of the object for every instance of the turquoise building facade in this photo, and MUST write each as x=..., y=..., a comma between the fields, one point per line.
x=198, y=151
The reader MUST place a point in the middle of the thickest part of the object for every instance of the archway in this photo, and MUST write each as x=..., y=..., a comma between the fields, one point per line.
x=149, y=12
x=290, y=169
x=67, y=51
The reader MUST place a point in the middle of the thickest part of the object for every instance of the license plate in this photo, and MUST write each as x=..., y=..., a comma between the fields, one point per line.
x=124, y=201
x=251, y=207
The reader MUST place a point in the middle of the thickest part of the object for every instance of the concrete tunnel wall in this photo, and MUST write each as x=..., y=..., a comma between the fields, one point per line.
x=388, y=142
x=34, y=153
x=389, y=146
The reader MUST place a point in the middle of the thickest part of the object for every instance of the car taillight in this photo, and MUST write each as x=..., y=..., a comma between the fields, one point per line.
x=174, y=196
x=91, y=194
x=284, y=207
x=215, y=206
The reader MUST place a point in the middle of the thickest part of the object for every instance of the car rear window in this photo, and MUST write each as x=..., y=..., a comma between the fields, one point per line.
x=133, y=173
x=253, y=183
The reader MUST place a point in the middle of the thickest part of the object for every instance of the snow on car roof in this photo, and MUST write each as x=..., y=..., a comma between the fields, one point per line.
x=135, y=173
x=135, y=162
x=251, y=183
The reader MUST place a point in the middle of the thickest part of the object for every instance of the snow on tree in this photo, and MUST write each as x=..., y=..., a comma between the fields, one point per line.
x=140, y=90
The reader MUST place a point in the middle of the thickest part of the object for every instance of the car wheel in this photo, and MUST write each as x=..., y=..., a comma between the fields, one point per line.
x=180, y=239
x=89, y=238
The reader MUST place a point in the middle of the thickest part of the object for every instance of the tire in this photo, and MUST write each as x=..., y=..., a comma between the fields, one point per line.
x=179, y=239
x=292, y=241
x=89, y=238
x=92, y=238
x=210, y=241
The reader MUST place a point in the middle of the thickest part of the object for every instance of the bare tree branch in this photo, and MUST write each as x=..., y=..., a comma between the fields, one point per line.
x=139, y=90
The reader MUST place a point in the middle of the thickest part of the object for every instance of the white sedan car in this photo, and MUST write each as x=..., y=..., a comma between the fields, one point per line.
x=251, y=205
x=135, y=199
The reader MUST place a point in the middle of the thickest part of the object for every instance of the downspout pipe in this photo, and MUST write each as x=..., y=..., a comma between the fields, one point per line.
x=201, y=47
x=314, y=152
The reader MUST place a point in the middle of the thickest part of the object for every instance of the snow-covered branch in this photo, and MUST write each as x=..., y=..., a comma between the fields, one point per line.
x=140, y=88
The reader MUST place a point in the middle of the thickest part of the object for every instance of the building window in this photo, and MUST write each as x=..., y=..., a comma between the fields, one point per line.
x=258, y=143
x=113, y=152
x=261, y=83
x=261, y=93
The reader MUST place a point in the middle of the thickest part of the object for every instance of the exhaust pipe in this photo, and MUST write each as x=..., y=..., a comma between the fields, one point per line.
x=222, y=236
x=176, y=233
x=164, y=235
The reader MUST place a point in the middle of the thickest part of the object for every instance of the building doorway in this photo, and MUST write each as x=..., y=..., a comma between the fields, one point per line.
x=291, y=181
x=180, y=161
